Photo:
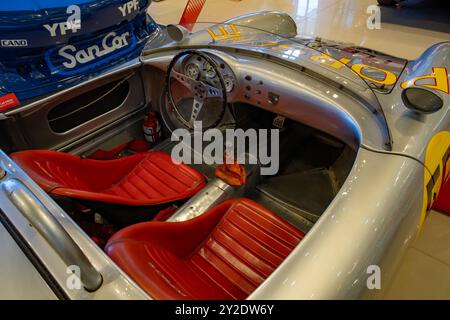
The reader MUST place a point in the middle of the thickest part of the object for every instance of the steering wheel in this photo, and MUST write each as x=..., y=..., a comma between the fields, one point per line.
x=209, y=102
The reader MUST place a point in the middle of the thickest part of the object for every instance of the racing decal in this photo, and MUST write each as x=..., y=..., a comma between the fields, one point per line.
x=110, y=43
x=191, y=13
x=438, y=77
x=437, y=159
x=225, y=32
x=370, y=73
x=73, y=23
x=8, y=101
x=129, y=7
x=14, y=43
x=329, y=61
x=69, y=60
x=374, y=74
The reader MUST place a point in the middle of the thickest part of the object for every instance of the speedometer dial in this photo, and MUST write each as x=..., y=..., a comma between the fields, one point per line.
x=192, y=71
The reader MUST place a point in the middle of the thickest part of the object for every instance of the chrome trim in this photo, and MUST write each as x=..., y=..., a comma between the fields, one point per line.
x=214, y=193
x=46, y=224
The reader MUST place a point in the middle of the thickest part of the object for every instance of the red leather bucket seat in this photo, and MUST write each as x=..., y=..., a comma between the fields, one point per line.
x=225, y=253
x=143, y=179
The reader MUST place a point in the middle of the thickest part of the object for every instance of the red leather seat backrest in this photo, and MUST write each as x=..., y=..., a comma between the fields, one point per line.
x=61, y=170
x=226, y=253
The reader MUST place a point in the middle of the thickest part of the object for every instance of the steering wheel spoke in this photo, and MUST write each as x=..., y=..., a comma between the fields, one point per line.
x=183, y=79
x=196, y=108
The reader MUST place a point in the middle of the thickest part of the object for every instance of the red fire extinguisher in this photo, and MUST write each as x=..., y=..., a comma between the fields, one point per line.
x=152, y=127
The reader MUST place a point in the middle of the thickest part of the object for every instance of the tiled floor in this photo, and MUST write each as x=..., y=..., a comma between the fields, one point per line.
x=402, y=30
x=424, y=273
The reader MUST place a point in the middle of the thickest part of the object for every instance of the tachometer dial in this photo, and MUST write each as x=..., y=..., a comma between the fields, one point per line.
x=192, y=71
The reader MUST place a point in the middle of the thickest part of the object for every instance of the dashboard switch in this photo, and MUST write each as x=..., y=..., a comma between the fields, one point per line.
x=273, y=98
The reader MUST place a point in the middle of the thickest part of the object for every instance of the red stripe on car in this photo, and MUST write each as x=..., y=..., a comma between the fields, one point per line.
x=191, y=13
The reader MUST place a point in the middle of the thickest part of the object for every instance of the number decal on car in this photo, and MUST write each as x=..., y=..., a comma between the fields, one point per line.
x=226, y=32
x=437, y=160
x=439, y=77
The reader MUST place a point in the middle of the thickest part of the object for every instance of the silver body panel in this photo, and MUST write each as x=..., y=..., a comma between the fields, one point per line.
x=356, y=231
x=29, y=285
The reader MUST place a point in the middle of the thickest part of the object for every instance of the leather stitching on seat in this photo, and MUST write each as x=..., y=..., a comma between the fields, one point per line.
x=231, y=262
x=165, y=188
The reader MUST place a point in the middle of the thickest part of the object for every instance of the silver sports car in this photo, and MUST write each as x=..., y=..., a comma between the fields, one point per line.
x=345, y=151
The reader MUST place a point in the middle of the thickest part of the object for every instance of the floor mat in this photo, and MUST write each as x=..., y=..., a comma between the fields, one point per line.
x=300, y=219
x=310, y=191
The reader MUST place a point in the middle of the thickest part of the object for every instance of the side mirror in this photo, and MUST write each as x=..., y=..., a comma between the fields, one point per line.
x=421, y=100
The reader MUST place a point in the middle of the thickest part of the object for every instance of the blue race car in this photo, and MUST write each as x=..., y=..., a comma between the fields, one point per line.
x=48, y=45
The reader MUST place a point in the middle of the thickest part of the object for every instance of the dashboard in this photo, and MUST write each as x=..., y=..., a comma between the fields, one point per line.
x=285, y=90
x=197, y=68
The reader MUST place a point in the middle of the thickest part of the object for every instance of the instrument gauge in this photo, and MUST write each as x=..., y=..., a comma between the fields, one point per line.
x=192, y=71
x=229, y=83
x=209, y=71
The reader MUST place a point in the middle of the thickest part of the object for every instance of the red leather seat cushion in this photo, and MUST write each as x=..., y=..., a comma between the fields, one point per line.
x=225, y=253
x=143, y=179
